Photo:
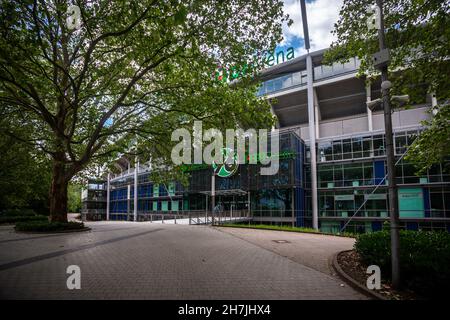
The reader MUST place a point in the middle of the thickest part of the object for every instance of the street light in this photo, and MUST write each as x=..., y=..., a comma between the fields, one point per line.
x=381, y=61
x=398, y=99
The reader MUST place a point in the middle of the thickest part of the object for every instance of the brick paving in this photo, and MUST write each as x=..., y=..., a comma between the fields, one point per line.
x=126, y=260
x=312, y=250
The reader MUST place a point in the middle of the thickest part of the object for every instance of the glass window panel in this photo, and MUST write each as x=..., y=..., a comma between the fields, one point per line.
x=325, y=152
x=325, y=175
x=437, y=204
x=434, y=173
x=337, y=150
x=318, y=72
x=446, y=195
x=296, y=78
x=347, y=148
x=328, y=70
x=400, y=144
x=367, y=146
x=368, y=173
x=349, y=65
x=409, y=175
x=353, y=175
x=378, y=145
x=338, y=176
x=357, y=147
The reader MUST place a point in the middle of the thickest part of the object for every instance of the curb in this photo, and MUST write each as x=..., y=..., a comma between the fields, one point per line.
x=352, y=282
x=55, y=232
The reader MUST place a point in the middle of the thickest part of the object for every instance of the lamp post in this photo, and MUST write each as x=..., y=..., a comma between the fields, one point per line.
x=381, y=61
x=213, y=195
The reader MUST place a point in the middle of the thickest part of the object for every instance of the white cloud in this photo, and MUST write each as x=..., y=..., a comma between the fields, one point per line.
x=322, y=15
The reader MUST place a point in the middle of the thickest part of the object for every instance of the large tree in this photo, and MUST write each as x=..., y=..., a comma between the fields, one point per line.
x=126, y=70
x=418, y=36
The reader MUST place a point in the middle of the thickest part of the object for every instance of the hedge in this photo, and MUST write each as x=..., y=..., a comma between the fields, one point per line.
x=45, y=226
x=14, y=219
x=17, y=212
x=424, y=257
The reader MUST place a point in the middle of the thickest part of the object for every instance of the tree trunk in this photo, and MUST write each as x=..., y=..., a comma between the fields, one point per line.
x=58, y=193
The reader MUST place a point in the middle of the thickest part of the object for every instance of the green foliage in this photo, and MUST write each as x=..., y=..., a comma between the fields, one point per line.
x=424, y=257
x=20, y=215
x=417, y=33
x=133, y=72
x=45, y=226
x=17, y=212
x=432, y=146
x=418, y=36
x=24, y=174
x=283, y=228
x=74, y=198
x=14, y=219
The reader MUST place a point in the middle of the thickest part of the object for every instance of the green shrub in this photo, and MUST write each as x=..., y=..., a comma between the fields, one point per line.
x=45, y=226
x=424, y=257
x=17, y=212
x=284, y=228
x=14, y=219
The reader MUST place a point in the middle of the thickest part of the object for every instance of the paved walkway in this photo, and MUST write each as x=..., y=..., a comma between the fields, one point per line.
x=312, y=250
x=126, y=260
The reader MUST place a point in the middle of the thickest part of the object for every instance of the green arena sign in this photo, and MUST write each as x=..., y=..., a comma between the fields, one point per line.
x=271, y=58
x=256, y=157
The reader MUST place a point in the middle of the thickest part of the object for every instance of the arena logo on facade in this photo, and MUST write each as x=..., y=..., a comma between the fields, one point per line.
x=208, y=148
x=229, y=166
x=271, y=58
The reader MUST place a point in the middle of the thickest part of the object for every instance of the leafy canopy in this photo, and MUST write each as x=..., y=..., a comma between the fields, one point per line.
x=417, y=34
x=133, y=71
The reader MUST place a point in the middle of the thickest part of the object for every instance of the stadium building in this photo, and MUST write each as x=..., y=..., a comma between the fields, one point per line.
x=350, y=183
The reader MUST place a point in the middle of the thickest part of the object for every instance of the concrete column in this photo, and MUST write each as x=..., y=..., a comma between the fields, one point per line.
x=369, y=112
x=128, y=198
x=136, y=168
x=277, y=123
x=312, y=142
x=107, y=197
x=316, y=113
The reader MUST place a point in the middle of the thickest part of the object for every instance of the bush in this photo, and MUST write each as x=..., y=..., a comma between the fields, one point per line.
x=424, y=257
x=17, y=212
x=45, y=226
x=285, y=228
x=14, y=219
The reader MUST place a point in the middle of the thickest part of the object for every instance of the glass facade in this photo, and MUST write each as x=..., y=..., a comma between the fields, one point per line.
x=279, y=196
x=351, y=186
x=351, y=168
x=298, y=78
x=93, y=205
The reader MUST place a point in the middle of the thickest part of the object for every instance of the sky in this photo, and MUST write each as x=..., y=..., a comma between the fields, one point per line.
x=322, y=15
